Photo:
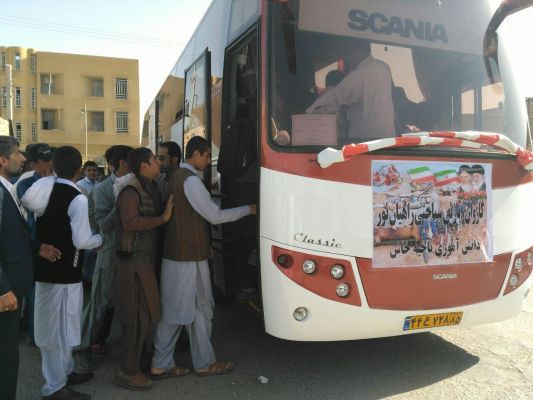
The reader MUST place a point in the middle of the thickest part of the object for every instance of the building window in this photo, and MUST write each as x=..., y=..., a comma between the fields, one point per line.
x=33, y=132
x=18, y=131
x=32, y=63
x=122, y=122
x=98, y=87
x=47, y=84
x=98, y=121
x=48, y=119
x=3, y=61
x=4, y=96
x=33, y=98
x=121, y=88
x=18, y=99
x=17, y=61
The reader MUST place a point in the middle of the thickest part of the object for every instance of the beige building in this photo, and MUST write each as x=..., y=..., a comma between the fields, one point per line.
x=529, y=102
x=51, y=92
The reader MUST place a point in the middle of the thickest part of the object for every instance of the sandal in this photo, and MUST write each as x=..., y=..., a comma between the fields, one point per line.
x=217, y=368
x=174, y=372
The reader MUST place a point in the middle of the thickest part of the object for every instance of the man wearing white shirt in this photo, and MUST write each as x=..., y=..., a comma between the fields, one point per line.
x=90, y=172
x=62, y=220
x=366, y=92
x=186, y=295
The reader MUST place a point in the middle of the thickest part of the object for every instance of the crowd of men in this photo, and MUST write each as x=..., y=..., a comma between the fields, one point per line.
x=140, y=236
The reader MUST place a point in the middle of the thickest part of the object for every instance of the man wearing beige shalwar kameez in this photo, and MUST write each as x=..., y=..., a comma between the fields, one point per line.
x=186, y=296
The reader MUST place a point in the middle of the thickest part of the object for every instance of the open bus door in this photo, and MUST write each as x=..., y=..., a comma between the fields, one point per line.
x=237, y=170
x=197, y=103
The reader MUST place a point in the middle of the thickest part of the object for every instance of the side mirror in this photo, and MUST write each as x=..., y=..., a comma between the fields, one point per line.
x=490, y=41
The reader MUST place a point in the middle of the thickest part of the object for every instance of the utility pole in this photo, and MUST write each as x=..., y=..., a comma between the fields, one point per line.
x=9, y=72
x=86, y=137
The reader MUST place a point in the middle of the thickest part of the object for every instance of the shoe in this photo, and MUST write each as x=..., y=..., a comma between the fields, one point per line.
x=83, y=362
x=66, y=393
x=76, y=378
x=133, y=382
x=99, y=348
x=216, y=368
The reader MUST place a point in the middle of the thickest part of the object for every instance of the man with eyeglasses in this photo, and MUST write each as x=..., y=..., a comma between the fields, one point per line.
x=169, y=155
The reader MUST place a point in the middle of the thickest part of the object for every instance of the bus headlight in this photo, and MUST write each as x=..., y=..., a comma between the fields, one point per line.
x=309, y=267
x=300, y=313
x=513, y=281
x=343, y=290
x=529, y=258
x=518, y=264
x=337, y=271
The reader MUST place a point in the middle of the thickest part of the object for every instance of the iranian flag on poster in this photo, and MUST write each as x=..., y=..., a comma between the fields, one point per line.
x=446, y=177
x=421, y=175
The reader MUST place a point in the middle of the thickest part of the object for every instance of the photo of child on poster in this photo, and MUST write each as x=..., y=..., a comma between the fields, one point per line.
x=431, y=213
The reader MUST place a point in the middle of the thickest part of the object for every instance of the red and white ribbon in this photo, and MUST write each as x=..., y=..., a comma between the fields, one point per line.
x=467, y=139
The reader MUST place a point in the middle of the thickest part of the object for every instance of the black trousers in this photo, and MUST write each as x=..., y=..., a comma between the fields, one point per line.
x=9, y=352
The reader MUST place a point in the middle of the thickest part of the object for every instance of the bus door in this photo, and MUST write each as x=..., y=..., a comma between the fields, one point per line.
x=197, y=103
x=235, y=243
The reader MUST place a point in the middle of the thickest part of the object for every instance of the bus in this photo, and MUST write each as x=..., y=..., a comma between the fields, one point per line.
x=361, y=234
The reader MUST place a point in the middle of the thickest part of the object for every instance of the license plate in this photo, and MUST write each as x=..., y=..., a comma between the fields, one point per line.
x=432, y=320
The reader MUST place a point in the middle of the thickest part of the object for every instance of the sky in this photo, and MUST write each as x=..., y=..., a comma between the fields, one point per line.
x=154, y=32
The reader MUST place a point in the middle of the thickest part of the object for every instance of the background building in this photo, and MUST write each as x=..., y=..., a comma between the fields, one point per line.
x=85, y=101
x=529, y=102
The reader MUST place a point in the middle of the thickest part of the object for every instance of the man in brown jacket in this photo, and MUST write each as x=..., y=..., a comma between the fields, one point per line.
x=186, y=296
x=138, y=211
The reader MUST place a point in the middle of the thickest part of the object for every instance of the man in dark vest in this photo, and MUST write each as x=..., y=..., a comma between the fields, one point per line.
x=138, y=215
x=62, y=220
x=16, y=265
x=186, y=295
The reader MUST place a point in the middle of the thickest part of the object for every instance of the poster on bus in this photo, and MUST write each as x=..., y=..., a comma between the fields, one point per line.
x=431, y=213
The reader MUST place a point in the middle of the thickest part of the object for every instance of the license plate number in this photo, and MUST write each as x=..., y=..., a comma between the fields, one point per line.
x=432, y=321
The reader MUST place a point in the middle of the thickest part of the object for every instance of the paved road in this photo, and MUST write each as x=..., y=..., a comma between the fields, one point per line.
x=486, y=362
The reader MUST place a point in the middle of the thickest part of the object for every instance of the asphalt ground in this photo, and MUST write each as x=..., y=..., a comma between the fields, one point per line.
x=486, y=362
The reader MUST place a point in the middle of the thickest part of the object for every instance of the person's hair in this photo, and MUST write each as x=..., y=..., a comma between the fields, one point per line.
x=333, y=78
x=108, y=155
x=138, y=156
x=197, y=143
x=7, y=143
x=88, y=164
x=67, y=162
x=120, y=152
x=464, y=168
x=476, y=168
x=173, y=149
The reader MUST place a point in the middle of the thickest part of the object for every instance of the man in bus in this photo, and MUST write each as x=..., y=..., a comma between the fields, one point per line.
x=365, y=92
x=186, y=295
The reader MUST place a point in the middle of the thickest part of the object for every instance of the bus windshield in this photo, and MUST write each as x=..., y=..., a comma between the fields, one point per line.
x=350, y=71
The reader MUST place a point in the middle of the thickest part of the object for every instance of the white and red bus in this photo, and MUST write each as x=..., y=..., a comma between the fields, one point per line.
x=414, y=230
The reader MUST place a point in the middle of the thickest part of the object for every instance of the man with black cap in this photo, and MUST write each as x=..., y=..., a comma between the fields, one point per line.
x=40, y=159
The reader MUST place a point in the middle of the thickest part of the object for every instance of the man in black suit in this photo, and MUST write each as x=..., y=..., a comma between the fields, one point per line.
x=16, y=265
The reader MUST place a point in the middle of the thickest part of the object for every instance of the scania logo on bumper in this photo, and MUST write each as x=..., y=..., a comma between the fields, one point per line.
x=445, y=276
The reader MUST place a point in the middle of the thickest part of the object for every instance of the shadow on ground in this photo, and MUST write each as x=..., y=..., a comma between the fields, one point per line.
x=364, y=369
